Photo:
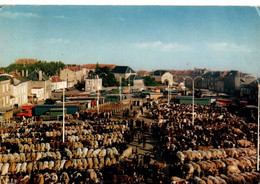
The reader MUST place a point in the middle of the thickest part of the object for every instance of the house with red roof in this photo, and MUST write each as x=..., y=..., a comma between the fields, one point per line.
x=73, y=75
x=57, y=83
x=92, y=67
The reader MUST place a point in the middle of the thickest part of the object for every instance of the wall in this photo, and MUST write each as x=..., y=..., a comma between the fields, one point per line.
x=20, y=93
x=58, y=85
x=44, y=84
x=93, y=84
x=167, y=77
x=5, y=93
x=39, y=93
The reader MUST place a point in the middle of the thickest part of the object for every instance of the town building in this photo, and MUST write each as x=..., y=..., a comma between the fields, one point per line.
x=232, y=82
x=163, y=76
x=73, y=75
x=26, y=61
x=213, y=81
x=4, y=92
x=39, y=80
x=93, y=84
x=138, y=83
x=123, y=72
x=143, y=73
x=58, y=84
x=19, y=90
x=38, y=92
x=69, y=76
x=92, y=67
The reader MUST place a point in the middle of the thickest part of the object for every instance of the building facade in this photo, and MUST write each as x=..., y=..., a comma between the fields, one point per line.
x=232, y=82
x=40, y=80
x=38, y=92
x=163, y=77
x=58, y=84
x=93, y=84
x=4, y=92
x=123, y=72
x=19, y=90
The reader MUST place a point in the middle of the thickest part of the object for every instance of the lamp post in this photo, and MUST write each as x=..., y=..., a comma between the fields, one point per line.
x=258, y=106
x=168, y=94
x=193, y=81
x=63, y=119
x=120, y=88
x=129, y=83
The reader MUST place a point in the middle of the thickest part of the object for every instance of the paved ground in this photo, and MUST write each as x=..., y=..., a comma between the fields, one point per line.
x=150, y=140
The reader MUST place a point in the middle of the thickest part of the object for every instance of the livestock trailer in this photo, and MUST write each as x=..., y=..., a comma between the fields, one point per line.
x=188, y=100
x=53, y=114
x=42, y=109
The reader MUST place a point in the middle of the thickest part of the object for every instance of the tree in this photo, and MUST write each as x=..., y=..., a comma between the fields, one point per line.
x=149, y=81
x=49, y=68
x=108, y=79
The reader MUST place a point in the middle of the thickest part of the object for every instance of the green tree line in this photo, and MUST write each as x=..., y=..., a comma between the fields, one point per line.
x=49, y=68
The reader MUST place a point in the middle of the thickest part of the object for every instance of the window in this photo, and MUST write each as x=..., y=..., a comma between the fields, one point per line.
x=3, y=101
x=7, y=100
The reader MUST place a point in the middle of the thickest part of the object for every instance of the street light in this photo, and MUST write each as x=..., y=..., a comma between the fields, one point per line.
x=168, y=94
x=193, y=81
x=120, y=88
x=258, y=95
x=63, y=119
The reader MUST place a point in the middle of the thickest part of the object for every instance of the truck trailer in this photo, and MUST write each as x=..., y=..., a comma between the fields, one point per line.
x=46, y=110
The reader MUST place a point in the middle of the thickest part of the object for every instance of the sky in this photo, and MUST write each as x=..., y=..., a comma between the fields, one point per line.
x=143, y=37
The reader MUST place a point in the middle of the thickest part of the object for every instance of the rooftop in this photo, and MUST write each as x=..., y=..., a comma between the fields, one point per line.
x=34, y=76
x=93, y=66
x=56, y=79
x=122, y=69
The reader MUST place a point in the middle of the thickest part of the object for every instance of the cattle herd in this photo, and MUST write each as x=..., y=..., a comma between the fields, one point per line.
x=220, y=148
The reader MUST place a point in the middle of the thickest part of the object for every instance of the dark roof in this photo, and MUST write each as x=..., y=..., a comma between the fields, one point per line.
x=122, y=69
x=212, y=74
x=159, y=72
x=34, y=76
x=233, y=73
x=18, y=79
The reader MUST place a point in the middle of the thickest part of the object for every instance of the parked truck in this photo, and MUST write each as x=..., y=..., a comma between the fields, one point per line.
x=53, y=114
x=45, y=110
x=26, y=111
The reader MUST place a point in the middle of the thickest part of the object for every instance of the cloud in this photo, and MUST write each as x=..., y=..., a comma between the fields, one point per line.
x=58, y=40
x=14, y=15
x=228, y=47
x=165, y=47
x=59, y=17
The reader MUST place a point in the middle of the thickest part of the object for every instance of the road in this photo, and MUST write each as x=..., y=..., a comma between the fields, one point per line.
x=150, y=140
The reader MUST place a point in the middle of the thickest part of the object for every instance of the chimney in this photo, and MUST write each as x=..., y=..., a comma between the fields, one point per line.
x=22, y=73
x=26, y=73
x=40, y=75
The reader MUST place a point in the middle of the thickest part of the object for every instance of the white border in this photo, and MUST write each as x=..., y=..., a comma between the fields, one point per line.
x=135, y=2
